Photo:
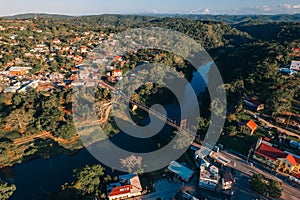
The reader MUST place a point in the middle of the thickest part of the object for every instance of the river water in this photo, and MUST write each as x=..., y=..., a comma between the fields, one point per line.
x=36, y=178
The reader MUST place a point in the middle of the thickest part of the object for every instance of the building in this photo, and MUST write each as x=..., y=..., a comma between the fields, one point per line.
x=295, y=65
x=227, y=180
x=83, y=49
x=209, y=175
x=31, y=85
x=12, y=89
x=118, y=58
x=55, y=41
x=128, y=186
x=181, y=171
x=248, y=127
x=276, y=158
x=253, y=103
x=18, y=71
x=286, y=71
x=117, y=73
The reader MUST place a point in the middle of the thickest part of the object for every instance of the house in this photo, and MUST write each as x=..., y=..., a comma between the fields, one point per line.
x=253, y=103
x=56, y=76
x=181, y=171
x=18, y=71
x=83, y=49
x=287, y=71
x=31, y=85
x=74, y=69
x=296, y=49
x=209, y=175
x=276, y=158
x=55, y=41
x=11, y=89
x=248, y=127
x=227, y=180
x=295, y=65
x=78, y=58
x=117, y=73
x=118, y=58
x=128, y=186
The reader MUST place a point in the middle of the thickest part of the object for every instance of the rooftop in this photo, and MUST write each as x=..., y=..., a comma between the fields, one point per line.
x=181, y=170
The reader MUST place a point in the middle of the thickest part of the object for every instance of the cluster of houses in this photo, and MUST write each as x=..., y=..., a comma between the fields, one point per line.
x=213, y=171
x=264, y=151
x=275, y=158
x=42, y=48
x=214, y=175
x=11, y=77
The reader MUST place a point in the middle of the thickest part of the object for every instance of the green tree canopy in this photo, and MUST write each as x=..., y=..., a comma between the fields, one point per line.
x=88, y=178
x=6, y=190
x=258, y=183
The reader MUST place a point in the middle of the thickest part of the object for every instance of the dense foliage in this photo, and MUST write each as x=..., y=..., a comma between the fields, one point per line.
x=6, y=190
x=262, y=186
x=87, y=184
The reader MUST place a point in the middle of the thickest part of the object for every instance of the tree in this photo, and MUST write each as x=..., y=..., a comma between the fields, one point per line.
x=6, y=190
x=19, y=119
x=88, y=178
x=274, y=189
x=132, y=163
x=258, y=183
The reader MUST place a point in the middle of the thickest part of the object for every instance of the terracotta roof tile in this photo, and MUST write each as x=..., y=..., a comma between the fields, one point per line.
x=251, y=124
x=120, y=190
x=270, y=152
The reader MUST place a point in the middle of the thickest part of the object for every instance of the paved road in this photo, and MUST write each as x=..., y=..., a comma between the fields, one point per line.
x=245, y=171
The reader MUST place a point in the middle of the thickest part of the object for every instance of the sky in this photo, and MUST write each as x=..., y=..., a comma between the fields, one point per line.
x=91, y=7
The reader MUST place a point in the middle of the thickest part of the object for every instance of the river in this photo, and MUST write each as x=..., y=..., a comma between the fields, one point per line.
x=34, y=179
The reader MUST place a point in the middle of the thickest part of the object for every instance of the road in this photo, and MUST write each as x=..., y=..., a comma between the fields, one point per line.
x=245, y=171
x=167, y=190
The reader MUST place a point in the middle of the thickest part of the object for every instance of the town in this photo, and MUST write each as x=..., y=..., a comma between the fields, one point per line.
x=256, y=157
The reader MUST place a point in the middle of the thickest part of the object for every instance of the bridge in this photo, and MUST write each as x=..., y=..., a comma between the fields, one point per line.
x=182, y=126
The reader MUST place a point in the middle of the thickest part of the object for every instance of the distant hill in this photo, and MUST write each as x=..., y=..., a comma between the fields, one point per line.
x=119, y=20
x=108, y=20
x=41, y=15
x=233, y=19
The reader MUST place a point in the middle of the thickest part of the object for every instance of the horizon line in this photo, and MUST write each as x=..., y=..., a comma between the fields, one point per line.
x=151, y=14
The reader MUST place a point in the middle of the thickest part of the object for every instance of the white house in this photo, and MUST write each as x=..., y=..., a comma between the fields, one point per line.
x=128, y=186
x=295, y=65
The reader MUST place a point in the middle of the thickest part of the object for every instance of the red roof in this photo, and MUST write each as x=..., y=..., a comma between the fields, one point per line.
x=120, y=190
x=270, y=152
x=267, y=139
x=291, y=159
x=251, y=124
x=296, y=49
x=297, y=160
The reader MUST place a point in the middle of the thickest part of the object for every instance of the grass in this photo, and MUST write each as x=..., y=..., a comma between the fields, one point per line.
x=240, y=142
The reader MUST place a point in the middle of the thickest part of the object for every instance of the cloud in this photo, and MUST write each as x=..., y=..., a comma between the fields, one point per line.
x=263, y=8
x=201, y=11
x=289, y=8
x=259, y=9
x=286, y=6
x=297, y=6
